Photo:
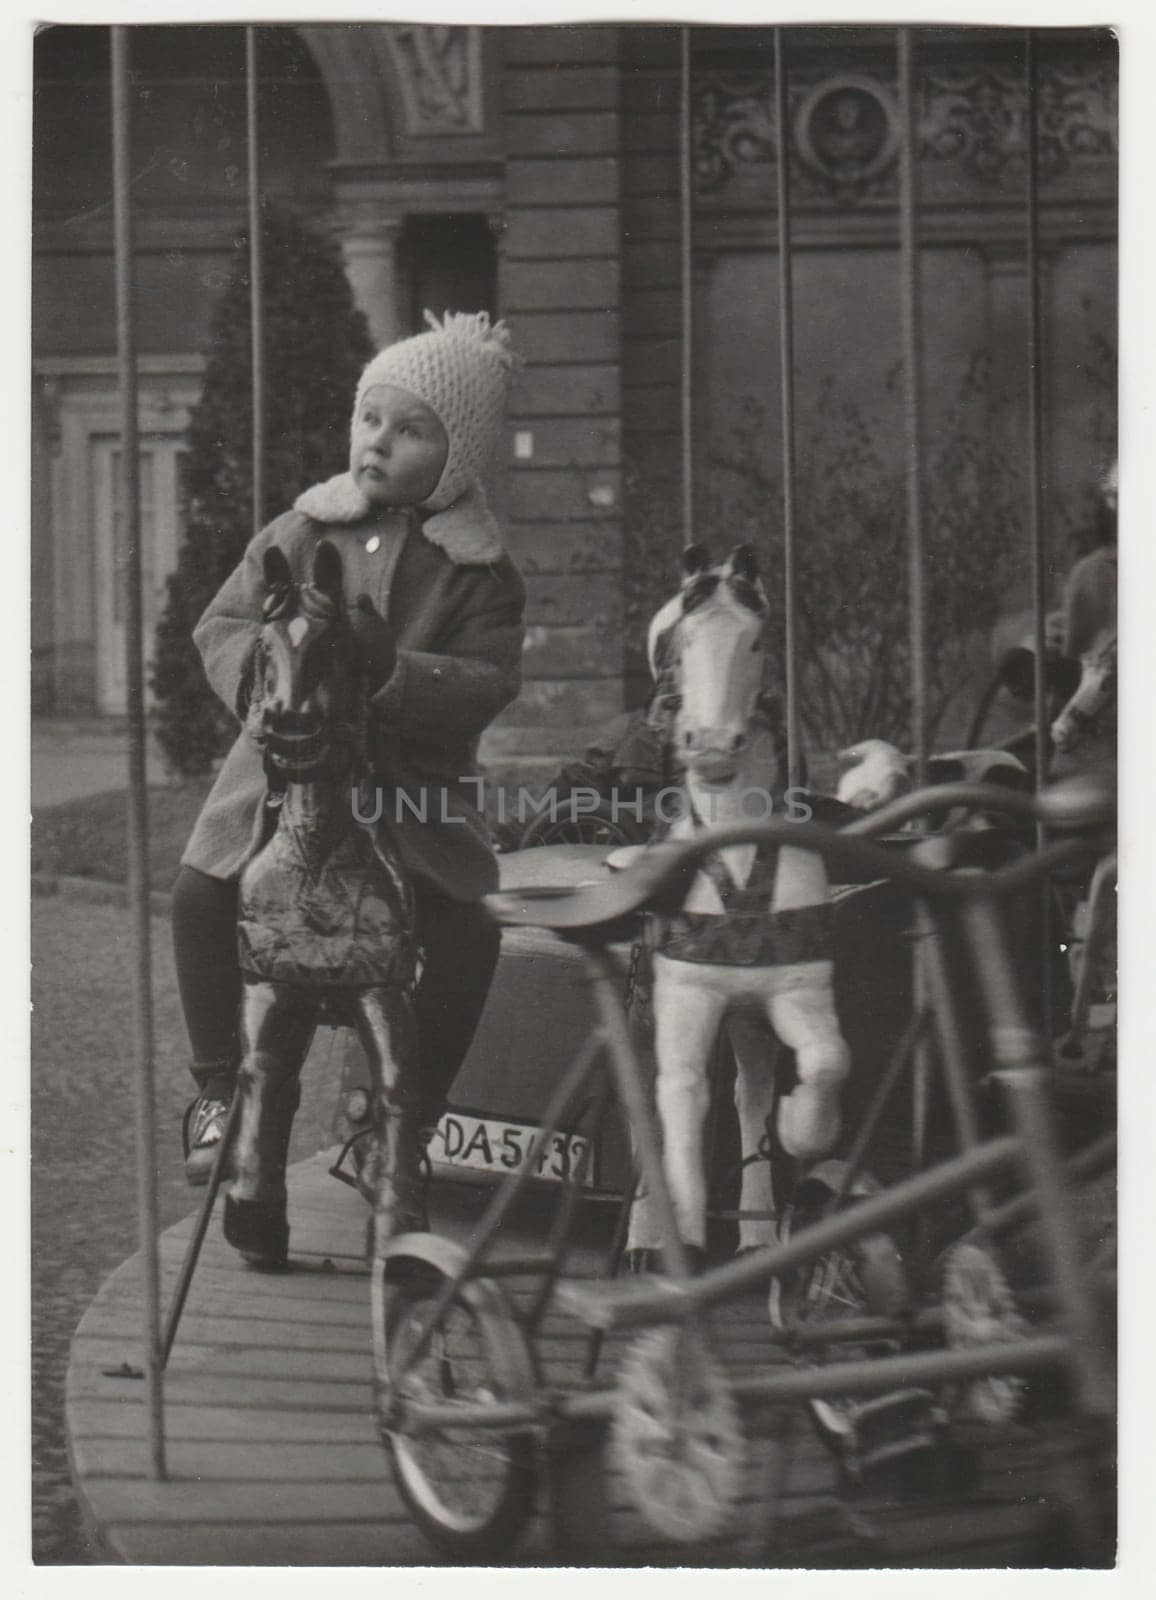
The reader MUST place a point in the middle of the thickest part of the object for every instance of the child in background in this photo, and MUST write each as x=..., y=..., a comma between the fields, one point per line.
x=1090, y=589
x=437, y=608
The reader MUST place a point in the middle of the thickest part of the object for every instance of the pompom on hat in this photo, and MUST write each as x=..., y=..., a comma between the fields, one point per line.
x=460, y=367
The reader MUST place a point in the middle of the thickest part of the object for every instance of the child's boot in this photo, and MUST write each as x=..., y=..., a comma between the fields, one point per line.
x=206, y=1116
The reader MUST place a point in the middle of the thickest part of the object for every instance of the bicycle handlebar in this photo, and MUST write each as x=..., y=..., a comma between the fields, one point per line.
x=1084, y=802
x=660, y=878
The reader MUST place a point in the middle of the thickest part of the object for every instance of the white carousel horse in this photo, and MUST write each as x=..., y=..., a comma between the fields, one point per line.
x=876, y=772
x=1091, y=709
x=754, y=933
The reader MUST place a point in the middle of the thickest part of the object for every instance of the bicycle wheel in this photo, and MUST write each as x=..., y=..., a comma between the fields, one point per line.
x=470, y=1488
x=572, y=824
x=676, y=1436
x=865, y=1278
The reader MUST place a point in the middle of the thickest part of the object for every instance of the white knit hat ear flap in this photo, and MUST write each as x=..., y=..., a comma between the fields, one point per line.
x=460, y=368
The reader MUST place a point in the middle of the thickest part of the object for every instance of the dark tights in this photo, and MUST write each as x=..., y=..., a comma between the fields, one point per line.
x=459, y=946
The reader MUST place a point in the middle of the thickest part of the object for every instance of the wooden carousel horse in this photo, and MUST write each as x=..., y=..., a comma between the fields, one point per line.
x=326, y=915
x=754, y=934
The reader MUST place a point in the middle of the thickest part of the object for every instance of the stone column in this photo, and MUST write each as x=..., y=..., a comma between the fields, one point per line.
x=369, y=245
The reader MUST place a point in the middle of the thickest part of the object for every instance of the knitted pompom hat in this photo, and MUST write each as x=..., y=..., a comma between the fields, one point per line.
x=460, y=368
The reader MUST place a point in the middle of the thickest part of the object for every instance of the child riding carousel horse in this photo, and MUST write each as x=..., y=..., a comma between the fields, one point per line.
x=435, y=606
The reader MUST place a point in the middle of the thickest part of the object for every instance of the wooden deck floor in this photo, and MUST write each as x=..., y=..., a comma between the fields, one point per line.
x=274, y=1457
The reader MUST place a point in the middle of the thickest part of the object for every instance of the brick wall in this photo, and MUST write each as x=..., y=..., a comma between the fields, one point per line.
x=559, y=286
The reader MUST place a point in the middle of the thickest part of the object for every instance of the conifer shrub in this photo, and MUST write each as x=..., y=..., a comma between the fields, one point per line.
x=315, y=346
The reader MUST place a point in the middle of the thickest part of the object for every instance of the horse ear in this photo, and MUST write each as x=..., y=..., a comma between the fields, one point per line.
x=327, y=571
x=276, y=569
x=695, y=559
x=744, y=562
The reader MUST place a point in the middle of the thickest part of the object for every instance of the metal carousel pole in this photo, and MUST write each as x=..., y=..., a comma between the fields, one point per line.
x=910, y=314
x=912, y=340
x=256, y=285
x=787, y=404
x=1038, y=553
x=257, y=345
x=138, y=873
x=686, y=278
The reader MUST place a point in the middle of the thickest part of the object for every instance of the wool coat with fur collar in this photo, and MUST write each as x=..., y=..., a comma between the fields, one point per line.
x=455, y=601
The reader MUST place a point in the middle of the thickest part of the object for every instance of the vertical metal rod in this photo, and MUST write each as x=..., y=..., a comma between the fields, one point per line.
x=686, y=262
x=912, y=399
x=138, y=874
x=256, y=286
x=1088, y=1350
x=1035, y=408
x=787, y=382
x=605, y=985
x=1022, y=1071
x=949, y=1030
x=880, y=1100
x=1035, y=491
x=200, y=1228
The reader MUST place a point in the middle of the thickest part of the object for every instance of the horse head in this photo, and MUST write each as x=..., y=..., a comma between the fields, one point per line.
x=307, y=711
x=1094, y=698
x=705, y=648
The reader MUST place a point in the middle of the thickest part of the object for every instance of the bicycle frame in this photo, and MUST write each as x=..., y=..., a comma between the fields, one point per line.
x=1020, y=1058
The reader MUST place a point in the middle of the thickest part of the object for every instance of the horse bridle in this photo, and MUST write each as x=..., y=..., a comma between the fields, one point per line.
x=282, y=603
x=667, y=697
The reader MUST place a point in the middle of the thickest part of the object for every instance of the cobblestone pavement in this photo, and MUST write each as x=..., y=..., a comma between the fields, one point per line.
x=83, y=1156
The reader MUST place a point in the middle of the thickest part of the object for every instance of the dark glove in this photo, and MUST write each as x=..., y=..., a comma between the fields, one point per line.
x=375, y=640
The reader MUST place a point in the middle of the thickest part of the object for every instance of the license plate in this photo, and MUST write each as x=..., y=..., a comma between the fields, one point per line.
x=488, y=1145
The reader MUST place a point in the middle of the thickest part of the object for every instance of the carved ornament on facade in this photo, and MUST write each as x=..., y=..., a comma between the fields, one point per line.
x=733, y=126
x=439, y=71
x=845, y=127
x=979, y=121
x=846, y=130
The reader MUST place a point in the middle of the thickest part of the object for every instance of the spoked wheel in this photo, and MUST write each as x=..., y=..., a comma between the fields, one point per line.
x=675, y=1435
x=574, y=824
x=470, y=1488
x=866, y=1278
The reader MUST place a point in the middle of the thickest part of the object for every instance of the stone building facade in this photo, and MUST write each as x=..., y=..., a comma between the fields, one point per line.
x=536, y=170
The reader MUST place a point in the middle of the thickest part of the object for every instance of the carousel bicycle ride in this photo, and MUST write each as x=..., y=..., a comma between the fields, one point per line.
x=460, y=1401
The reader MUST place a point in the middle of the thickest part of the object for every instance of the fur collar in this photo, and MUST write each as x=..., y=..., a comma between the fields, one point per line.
x=465, y=531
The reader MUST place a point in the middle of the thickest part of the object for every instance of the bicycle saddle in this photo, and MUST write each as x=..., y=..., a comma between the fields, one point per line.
x=658, y=880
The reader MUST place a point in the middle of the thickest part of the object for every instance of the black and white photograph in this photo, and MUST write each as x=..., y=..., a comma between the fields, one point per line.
x=572, y=664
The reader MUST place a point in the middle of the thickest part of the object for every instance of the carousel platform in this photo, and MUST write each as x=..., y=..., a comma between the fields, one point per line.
x=274, y=1458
